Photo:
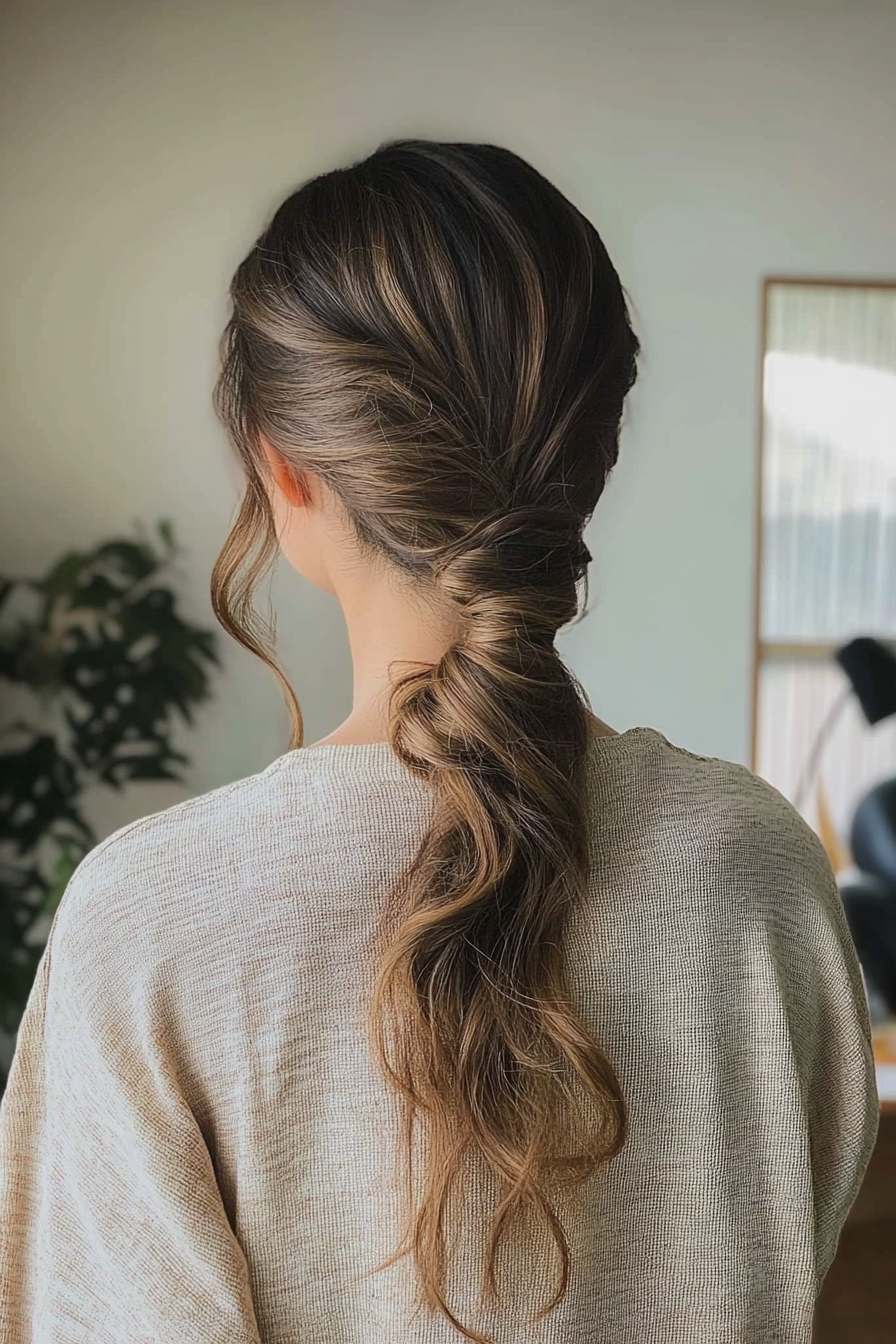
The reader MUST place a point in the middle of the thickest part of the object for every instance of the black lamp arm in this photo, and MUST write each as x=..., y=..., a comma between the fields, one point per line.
x=822, y=737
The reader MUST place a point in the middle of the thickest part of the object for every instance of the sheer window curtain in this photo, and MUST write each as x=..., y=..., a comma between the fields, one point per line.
x=828, y=562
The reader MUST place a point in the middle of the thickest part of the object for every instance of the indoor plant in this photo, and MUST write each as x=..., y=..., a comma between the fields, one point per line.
x=105, y=663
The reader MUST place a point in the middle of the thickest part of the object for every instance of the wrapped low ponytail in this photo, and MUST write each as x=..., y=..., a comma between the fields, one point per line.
x=439, y=335
x=476, y=1028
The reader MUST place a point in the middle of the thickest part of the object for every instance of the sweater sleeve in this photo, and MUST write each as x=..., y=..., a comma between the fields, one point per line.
x=797, y=1046
x=831, y=1025
x=112, y=1227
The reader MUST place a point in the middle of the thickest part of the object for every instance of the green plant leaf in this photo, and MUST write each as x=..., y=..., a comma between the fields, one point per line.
x=66, y=862
x=166, y=532
x=38, y=788
x=21, y=890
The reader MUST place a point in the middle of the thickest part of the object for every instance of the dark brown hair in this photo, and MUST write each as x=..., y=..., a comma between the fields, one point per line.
x=439, y=334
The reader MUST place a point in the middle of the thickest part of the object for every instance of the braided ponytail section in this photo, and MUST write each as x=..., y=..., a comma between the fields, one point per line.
x=439, y=335
x=473, y=969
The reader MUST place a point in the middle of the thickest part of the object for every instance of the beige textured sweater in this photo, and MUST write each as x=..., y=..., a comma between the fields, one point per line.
x=196, y=1147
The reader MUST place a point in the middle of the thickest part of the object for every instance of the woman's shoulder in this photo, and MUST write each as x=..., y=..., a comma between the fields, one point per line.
x=697, y=811
x=222, y=840
x=206, y=816
x=682, y=778
x=142, y=866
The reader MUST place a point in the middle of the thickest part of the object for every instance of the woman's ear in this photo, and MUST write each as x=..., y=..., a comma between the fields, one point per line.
x=289, y=482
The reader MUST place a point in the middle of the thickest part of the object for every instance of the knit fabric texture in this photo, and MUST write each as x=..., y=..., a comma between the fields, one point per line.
x=197, y=1147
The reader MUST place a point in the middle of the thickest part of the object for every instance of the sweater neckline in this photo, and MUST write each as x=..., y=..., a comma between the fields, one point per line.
x=359, y=753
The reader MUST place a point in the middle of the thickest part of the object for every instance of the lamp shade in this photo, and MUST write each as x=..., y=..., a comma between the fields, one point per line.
x=871, y=667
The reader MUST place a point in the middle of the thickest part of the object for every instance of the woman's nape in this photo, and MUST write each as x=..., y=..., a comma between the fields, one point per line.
x=392, y=624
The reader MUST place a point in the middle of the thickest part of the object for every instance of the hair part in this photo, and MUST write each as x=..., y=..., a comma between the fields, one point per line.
x=440, y=335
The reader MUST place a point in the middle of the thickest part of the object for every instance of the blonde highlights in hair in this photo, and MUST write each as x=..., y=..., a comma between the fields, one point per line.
x=440, y=335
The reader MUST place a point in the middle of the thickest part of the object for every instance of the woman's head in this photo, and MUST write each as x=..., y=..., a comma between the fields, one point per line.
x=432, y=348
x=439, y=338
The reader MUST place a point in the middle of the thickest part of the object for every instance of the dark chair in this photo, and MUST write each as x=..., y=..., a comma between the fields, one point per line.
x=870, y=898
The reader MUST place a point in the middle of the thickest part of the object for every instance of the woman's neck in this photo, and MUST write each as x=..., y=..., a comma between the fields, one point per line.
x=391, y=631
